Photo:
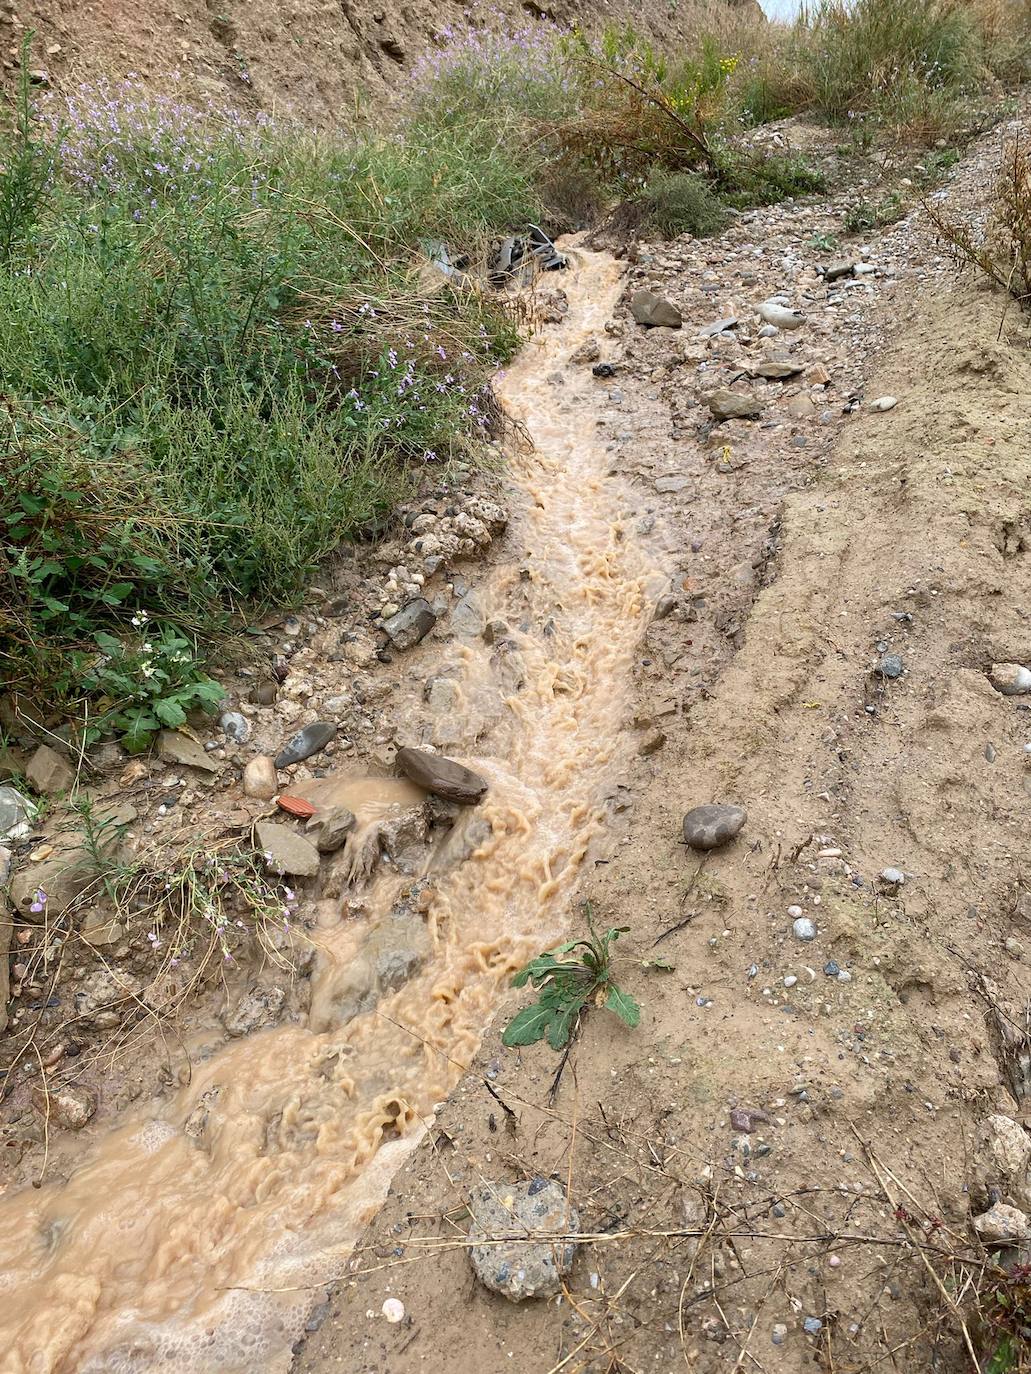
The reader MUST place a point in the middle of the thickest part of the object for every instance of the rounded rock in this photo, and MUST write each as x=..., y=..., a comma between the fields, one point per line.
x=235, y=726
x=259, y=778
x=713, y=825
x=804, y=929
x=893, y=876
x=520, y=1269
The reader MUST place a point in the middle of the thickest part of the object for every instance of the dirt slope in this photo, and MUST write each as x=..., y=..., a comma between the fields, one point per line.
x=314, y=57
x=910, y=534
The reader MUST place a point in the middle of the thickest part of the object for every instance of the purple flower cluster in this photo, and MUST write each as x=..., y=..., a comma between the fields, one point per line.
x=521, y=68
x=117, y=137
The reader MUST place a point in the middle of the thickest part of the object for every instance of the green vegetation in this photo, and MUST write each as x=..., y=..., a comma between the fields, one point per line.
x=222, y=351
x=567, y=986
x=219, y=360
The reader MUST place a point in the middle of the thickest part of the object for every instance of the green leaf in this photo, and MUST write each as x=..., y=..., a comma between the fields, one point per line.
x=624, y=1006
x=528, y=1026
x=169, y=712
x=139, y=732
x=562, y=1027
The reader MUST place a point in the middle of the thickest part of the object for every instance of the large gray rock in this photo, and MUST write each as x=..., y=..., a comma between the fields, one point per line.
x=331, y=828
x=442, y=776
x=48, y=773
x=256, y=1008
x=1011, y=679
x=518, y=1268
x=312, y=739
x=732, y=405
x=16, y=813
x=650, y=309
x=286, y=851
x=412, y=623
x=713, y=825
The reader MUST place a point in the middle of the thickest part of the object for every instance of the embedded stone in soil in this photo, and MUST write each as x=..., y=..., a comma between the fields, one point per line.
x=520, y=1269
x=713, y=825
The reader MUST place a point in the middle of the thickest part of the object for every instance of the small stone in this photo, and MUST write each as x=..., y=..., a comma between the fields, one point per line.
x=259, y=778
x=286, y=851
x=311, y=740
x=441, y=776
x=651, y=744
x=779, y=1334
x=332, y=828
x=48, y=773
x=812, y=1326
x=102, y=932
x=776, y=369
x=890, y=666
x=818, y=375
x=834, y=270
x=1011, y=679
x=790, y=980
x=894, y=877
x=67, y=1106
x=394, y=1310
x=1003, y=1225
x=713, y=824
x=411, y=624
x=235, y=726
x=804, y=929
x=256, y=1008
x=747, y=1118
x=732, y=405
x=175, y=747
x=884, y=403
x=265, y=693
x=521, y=1269
x=709, y=331
x=780, y=316
x=650, y=310
x=588, y=352
x=831, y=969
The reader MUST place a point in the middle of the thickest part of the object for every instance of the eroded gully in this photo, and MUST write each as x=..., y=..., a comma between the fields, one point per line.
x=195, y=1236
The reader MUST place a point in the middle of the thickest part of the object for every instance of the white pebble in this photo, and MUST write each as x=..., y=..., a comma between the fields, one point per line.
x=394, y=1310
x=794, y=912
x=884, y=403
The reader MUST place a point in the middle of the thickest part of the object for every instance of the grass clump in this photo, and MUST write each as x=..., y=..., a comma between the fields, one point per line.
x=682, y=203
x=1002, y=251
x=219, y=360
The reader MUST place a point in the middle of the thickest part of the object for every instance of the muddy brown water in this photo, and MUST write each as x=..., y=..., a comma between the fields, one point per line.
x=203, y=1250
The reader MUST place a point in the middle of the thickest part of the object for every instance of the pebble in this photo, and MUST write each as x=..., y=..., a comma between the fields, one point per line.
x=66, y=1105
x=714, y=824
x=831, y=969
x=890, y=666
x=410, y=624
x=289, y=852
x=893, y=876
x=311, y=740
x=393, y=1309
x=790, y=981
x=812, y=1326
x=235, y=726
x=1011, y=679
x=804, y=929
x=779, y=1334
x=884, y=403
x=732, y=405
x=259, y=778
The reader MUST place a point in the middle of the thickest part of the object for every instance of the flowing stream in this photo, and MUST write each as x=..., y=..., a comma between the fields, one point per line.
x=195, y=1235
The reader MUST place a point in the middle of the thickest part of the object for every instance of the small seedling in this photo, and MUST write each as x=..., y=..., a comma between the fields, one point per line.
x=567, y=986
x=824, y=243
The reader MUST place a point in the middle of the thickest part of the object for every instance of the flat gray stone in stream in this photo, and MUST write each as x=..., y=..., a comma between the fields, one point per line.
x=412, y=623
x=305, y=743
x=442, y=776
x=516, y=1268
x=713, y=825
